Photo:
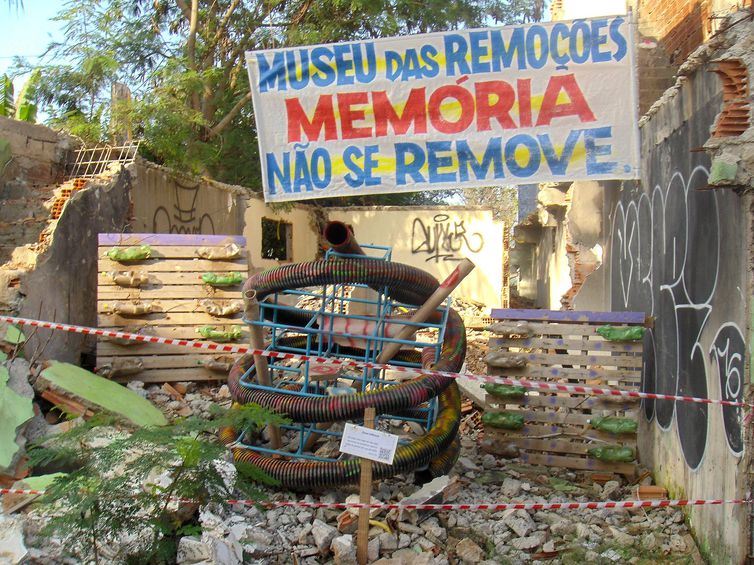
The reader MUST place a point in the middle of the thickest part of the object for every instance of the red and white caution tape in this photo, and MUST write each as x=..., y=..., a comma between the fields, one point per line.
x=227, y=348
x=460, y=507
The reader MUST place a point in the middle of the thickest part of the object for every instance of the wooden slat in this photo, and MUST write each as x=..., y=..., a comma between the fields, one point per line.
x=172, y=306
x=175, y=285
x=570, y=316
x=601, y=360
x=186, y=361
x=586, y=464
x=161, y=265
x=109, y=349
x=112, y=292
x=561, y=445
x=168, y=319
x=558, y=374
x=185, y=332
x=173, y=375
x=567, y=344
x=548, y=416
x=542, y=431
x=164, y=251
x=555, y=329
x=165, y=279
x=164, y=239
x=574, y=402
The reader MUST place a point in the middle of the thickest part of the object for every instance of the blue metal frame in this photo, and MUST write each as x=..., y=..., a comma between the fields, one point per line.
x=333, y=302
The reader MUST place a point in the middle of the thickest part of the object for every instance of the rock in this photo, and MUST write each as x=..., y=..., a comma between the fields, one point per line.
x=405, y=556
x=18, y=380
x=467, y=464
x=373, y=550
x=489, y=461
x=511, y=487
x=348, y=522
x=388, y=542
x=328, y=450
x=677, y=544
x=12, y=548
x=529, y=542
x=424, y=558
x=433, y=527
x=610, y=488
x=622, y=537
x=520, y=522
x=223, y=392
x=650, y=542
x=469, y=552
x=583, y=531
x=304, y=516
x=549, y=547
x=323, y=535
x=344, y=550
x=612, y=555
x=404, y=540
x=303, y=535
x=562, y=527
x=192, y=550
x=385, y=561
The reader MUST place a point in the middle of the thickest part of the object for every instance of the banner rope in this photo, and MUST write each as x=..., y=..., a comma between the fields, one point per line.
x=278, y=355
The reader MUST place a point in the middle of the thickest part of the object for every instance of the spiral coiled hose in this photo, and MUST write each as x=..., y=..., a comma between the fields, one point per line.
x=437, y=450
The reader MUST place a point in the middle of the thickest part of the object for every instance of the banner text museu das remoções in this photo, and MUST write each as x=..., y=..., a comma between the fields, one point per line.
x=529, y=103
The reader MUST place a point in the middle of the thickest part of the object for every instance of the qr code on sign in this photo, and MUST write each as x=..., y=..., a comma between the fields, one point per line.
x=384, y=454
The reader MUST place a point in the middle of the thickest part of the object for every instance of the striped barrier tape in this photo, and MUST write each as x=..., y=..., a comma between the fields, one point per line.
x=461, y=507
x=225, y=348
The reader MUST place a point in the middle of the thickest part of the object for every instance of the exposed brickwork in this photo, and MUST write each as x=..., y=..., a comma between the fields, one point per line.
x=734, y=117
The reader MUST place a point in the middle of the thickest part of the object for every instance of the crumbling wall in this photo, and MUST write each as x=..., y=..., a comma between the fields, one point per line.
x=678, y=246
x=166, y=201
x=63, y=285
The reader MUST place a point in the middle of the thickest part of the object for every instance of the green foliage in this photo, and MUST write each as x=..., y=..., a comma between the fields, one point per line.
x=190, y=88
x=6, y=96
x=26, y=109
x=125, y=484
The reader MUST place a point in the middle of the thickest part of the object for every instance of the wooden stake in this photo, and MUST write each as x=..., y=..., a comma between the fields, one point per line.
x=256, y=340
x=365, y=496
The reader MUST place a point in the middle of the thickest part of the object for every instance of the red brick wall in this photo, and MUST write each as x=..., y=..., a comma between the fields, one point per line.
x=680, y=26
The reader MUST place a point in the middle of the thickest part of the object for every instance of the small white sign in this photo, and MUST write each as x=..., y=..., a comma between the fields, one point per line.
x=369, y=444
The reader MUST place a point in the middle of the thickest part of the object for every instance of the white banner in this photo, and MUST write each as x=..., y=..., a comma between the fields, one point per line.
x=509, y=105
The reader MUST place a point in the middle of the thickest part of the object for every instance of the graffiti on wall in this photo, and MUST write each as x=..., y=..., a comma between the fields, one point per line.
x=444, y=239
x=666, y=260
x=183, y=219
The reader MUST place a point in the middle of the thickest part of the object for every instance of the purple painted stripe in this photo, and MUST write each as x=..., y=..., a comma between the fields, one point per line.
x=168, y=239
x=569, y=316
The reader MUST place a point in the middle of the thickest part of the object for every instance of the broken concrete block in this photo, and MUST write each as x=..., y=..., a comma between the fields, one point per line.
x=323, y=535
x=97, y=392
x=121, y=368
x=469, y=552
x=12, y=548
x=344, y=550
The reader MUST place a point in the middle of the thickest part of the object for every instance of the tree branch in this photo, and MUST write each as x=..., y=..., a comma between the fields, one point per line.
x=225, y=122
x=191, y=48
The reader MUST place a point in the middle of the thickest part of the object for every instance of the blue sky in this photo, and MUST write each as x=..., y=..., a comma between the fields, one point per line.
x=27, y=31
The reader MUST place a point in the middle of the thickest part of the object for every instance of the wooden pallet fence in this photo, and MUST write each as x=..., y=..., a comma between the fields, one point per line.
x=564, y=347
x=175, y=289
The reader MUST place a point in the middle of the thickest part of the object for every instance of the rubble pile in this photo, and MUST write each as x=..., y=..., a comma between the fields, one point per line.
x=244, y=533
